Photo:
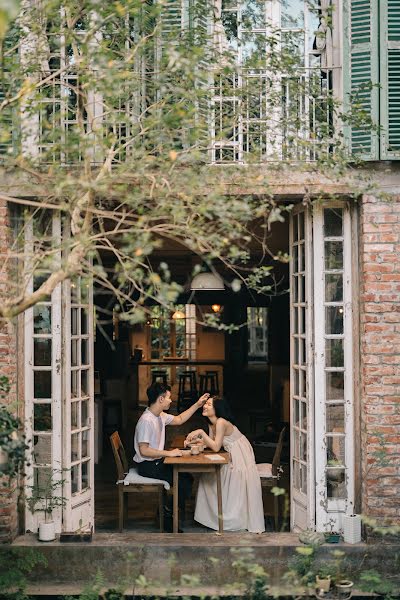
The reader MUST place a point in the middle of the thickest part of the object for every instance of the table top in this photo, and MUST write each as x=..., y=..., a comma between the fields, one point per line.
x=198, y=459
x=180, y=362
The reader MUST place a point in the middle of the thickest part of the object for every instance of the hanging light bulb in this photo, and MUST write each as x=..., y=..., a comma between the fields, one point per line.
x=178, y=314
x=216, y=308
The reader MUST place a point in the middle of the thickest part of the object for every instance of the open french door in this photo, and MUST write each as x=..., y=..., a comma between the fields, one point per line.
x=301, y=372
x=321, y=397
x=78, y=438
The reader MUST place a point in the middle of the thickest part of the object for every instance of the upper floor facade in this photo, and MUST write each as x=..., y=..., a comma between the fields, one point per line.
x=274, y=80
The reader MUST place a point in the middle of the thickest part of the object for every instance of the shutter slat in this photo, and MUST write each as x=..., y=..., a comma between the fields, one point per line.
x=362, y=75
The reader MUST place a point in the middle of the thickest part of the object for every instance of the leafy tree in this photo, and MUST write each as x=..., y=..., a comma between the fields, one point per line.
x=107, y=113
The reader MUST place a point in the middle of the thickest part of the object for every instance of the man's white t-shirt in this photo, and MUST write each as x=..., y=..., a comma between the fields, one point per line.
x=150, y=430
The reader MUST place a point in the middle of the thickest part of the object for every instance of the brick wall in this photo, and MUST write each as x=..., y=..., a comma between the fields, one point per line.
x=8, y=367
x=380, y=357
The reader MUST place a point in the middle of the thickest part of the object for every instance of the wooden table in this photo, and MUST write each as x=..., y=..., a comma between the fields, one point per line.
x=199, y=463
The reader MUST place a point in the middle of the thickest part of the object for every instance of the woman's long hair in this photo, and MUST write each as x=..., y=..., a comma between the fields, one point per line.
x=222, y=410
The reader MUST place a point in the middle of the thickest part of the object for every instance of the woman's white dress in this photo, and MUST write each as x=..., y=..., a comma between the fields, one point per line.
x=242, y=502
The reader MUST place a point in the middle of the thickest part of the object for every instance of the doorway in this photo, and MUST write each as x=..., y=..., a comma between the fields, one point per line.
x=293, y=363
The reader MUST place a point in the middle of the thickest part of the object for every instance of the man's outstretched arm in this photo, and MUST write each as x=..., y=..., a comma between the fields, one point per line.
x=185, y=416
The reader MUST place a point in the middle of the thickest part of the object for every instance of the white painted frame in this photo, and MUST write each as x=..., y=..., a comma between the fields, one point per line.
x=32, y=520
x=79, y=509
x=330, y=511
x=302, y=511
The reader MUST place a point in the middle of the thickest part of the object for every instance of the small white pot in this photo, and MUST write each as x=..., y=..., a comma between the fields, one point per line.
x=352, y=529
x=47, y=532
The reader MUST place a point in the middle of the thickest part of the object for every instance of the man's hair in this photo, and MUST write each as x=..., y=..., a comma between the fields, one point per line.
x=156, y=390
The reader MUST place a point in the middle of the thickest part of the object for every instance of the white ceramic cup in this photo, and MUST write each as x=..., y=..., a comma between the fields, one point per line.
x=194, y=450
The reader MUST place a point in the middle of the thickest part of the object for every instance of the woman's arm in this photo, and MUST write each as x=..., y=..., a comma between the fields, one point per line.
x=215, y=444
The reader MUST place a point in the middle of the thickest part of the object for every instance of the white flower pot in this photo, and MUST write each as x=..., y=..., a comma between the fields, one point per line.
x=352, y=529
x=47, y=532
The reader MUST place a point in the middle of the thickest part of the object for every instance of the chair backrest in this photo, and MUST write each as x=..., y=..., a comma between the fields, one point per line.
x=276, y=461
x=119, y=455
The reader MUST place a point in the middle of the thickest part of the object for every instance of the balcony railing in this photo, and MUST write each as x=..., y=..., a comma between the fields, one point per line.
x=251, y=117
x=257, y=118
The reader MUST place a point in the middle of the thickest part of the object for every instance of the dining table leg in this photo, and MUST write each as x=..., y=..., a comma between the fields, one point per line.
x=219, y=496
x=175, y=501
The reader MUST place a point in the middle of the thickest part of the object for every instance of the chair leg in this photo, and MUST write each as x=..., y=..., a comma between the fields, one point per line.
x=161, y=507
x=120, y=509
x=126, y=505
x=276, y=512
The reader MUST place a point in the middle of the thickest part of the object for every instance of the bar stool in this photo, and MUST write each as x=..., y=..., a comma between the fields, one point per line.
x=209, y=383
x=187, y=390
x=159, y=375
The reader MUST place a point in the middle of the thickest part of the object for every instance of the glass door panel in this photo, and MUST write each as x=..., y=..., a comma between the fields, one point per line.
x=333, y=364
x=302, y=492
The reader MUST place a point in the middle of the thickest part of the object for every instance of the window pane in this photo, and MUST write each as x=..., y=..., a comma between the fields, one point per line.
x=336, y=483
x=333, y=255
x=84, y=321
x=84, y=352
x=85, y=383
x=84, y=413
x=42, y=384
x=75, y=384
x=75, y=447
x=41, y=480
x=74, y=321
x=334, y=354
x=334, y=320
x=335, y=451
x=333, y=221
x=333, y=287
x=292, y=15
x=303, y=478
x=42, y=352
x=74, y=479
x=335, y=386
x=303, y=447
x=42, y=449
x=75, y=415
x=85, y=475
x=41, y=319
x=42, y=417
x=74, y=353
x=335, y=418
x=85, y=444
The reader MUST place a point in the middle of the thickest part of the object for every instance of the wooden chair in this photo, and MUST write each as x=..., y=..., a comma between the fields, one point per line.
x=124, y=489
x=270, y=473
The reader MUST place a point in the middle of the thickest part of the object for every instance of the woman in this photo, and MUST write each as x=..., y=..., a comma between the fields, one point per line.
x=241, y=487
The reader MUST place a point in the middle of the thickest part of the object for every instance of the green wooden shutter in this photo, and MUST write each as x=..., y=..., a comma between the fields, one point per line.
x=390, y=78
x=361, y=77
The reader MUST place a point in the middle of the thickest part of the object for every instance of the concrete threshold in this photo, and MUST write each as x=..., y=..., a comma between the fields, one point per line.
x=192, y=564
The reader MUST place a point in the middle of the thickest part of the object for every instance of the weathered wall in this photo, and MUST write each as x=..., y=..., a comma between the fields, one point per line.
x=380, y=357
x=8, y=367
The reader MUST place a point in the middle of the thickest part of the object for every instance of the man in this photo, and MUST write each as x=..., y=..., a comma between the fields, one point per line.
x=150, y=440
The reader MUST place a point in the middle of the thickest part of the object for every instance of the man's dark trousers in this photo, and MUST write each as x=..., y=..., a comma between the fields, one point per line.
x=158, y=470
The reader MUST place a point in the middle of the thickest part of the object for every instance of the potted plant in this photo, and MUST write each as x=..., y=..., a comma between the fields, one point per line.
x=344, y=588
x=323, y=579
x=44, y=499
x=12, y=445
x=332, y=536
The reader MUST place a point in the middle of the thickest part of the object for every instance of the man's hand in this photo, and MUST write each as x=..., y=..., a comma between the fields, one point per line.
x=203, y=399
x=174, y=452
x=194, y=435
